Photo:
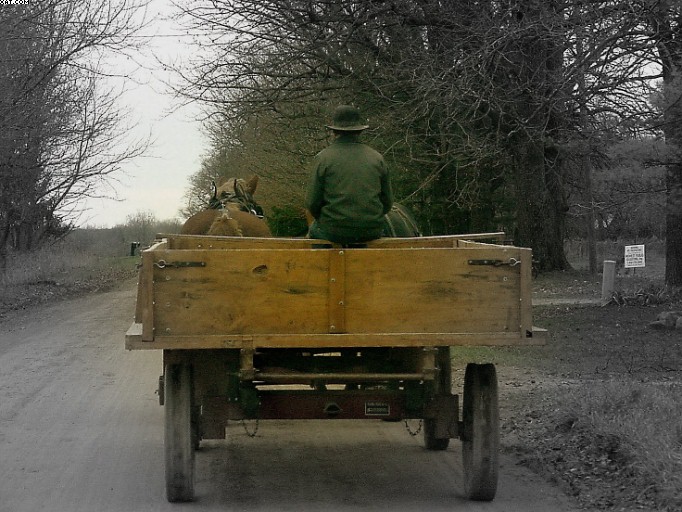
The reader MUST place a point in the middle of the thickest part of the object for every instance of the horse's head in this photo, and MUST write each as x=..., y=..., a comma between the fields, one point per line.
x=236, y=187
x=237, y=191
x=231, y=211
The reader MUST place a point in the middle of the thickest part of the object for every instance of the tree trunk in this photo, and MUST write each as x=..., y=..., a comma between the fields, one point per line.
x=673, y=217
x=530, y=200
x=586, y=165
x=4, y=246
x=540, y=202
x=673, y=225
x=540, y=211
x=669, y=45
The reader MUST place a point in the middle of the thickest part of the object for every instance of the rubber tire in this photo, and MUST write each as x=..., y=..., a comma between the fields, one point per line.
x=179, y=442
x=443, y=385
x=481, y=432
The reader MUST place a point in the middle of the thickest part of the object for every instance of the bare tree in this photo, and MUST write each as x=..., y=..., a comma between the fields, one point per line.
x=58, y=128
x=141, y=227
x=481, y=106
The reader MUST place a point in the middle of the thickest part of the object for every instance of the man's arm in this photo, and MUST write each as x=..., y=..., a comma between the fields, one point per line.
x=314, y=195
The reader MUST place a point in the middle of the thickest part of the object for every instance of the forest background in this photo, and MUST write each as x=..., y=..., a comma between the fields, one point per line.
x=549, y=120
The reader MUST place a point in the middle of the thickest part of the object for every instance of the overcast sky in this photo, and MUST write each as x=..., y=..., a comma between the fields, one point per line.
x=158, y=180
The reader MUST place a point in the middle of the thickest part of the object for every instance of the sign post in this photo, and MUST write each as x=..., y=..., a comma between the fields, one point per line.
x=634, y=256
x=608, y=281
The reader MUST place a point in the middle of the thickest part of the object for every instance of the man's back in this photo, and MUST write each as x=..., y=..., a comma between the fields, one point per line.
x=349, y=190
x=352, y=191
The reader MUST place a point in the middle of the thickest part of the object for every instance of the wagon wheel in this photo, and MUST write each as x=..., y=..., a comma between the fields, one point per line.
x=442, y=385
x=480, y=436
x=179, y=442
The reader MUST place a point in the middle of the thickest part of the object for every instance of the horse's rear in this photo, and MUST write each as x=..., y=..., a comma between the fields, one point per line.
x=400, y=223
x=232, y=212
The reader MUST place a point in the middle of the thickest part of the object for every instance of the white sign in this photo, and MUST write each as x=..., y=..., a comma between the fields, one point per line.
x=634, y=256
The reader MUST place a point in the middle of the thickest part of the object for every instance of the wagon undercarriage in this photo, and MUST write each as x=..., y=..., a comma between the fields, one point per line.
x=302, y=384
x=202, y=398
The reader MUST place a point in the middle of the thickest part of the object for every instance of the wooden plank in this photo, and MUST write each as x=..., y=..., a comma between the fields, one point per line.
x=142, y=290
x=134, y=335
x=246, y=294
x=283, y=291
x=473, y=244
x=144, y=306
x=242, y=292
x=431, y=290
x=338, y=340
x=207, y=242
x=525, y=291
x=144, y=309
x=433, y=241
x=305, y=378
x=288, y=291
x=181, y=242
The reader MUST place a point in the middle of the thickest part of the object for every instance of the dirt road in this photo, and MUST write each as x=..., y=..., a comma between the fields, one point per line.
x=81, y=430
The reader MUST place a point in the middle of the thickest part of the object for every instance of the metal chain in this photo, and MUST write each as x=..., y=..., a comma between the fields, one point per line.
x=255, y=430
x=414, y=432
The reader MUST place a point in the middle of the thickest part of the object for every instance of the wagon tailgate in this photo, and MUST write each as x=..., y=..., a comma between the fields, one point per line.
x=336, y=297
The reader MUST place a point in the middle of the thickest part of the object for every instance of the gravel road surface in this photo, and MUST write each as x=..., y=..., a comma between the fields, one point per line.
x=81, y=430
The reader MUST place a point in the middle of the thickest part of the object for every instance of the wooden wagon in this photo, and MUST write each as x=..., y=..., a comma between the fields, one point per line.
x=270, y=328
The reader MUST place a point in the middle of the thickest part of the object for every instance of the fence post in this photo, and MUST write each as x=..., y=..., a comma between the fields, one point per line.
x=608, y=281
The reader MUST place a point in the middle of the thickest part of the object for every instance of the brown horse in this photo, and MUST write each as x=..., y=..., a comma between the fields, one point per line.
x=231, y=212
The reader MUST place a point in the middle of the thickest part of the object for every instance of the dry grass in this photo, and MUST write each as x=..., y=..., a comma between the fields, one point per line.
x=58, y=271
x=612, y=444
x=599, y=409
x=54, y=263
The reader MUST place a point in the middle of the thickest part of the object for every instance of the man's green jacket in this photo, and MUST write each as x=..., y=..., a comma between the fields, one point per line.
x=349, y=191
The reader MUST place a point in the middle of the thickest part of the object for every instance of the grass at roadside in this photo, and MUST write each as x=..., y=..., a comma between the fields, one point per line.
x=611, y=444
x=598, y=410
x=59, y=271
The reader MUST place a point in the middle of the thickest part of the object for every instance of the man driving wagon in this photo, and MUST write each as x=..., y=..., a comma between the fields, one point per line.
x=349, y=192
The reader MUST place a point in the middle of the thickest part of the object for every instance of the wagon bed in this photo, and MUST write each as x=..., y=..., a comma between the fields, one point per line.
x=202, y=292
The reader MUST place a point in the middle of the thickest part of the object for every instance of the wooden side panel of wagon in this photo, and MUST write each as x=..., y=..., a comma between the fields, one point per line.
x=292, y=295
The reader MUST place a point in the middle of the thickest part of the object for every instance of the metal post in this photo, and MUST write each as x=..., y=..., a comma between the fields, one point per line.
x=608, y=281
